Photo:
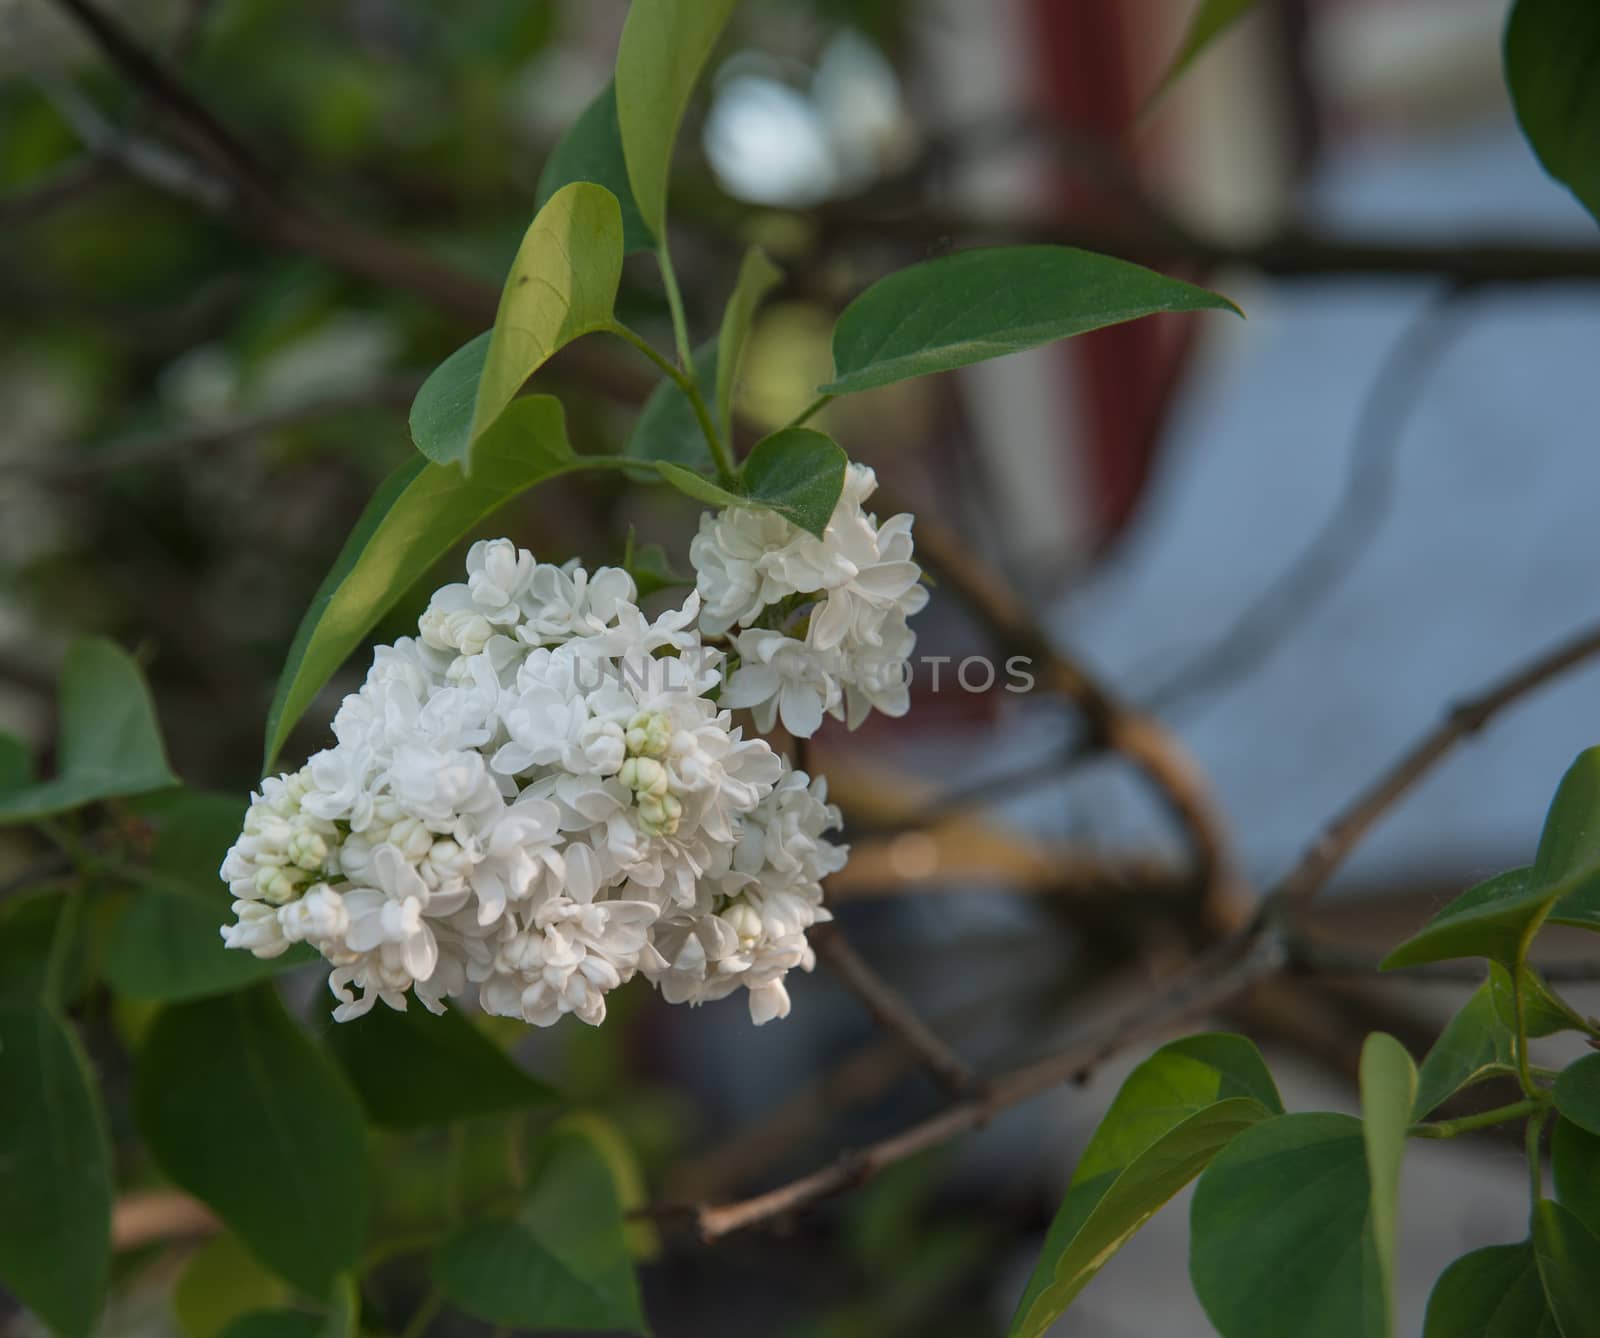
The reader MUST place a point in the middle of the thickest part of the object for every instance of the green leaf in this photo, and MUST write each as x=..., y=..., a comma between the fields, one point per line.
x=1552, y=60
x=1170, y=1117
x=239, y=1108
x=1100, y=1215
x=1281, y=1233
x=1569, y=844
x=666, y=428
x=1544, y=1012
x=563, y=284
x=665, y=44
x=417, y=515
x=28, y=927
x=110, y=744
x=416, y=1068
x=16, y=767
x=797, y=472
x=1490, y=1293
x=441, y=414
x=275, y=1324
x=758, y=276
x=1575, y=1162
x=592, y=151
x=1388, y=1089
x=1577, y=1093
x=1568, y=1255
x=167, y=943
x=1209, y=21
x=561, y=1263
x=1475, y=1044
x=55, y=1173
x=982, y=304
x=1498, y=918
x=221, y=1282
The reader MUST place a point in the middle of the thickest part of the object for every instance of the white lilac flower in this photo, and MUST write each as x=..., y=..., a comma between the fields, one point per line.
x=539, y=798
x=823, y=620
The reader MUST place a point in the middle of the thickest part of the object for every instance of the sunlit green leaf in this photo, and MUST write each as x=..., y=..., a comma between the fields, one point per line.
x=563, y=284
x=1552, y=62
x=239, y=1108
x=110, y=744
x=1271, y=1260
x=1490, y=1293
x=1388, y=1089
x=758, y=276
x=560, y=1263
x=1474, y=1045
x=414, y=1068
x=591, y=150
x=1170, y=1117
x=665, y=44
x=417, y=515
x=975, y=305
x=55, y=1173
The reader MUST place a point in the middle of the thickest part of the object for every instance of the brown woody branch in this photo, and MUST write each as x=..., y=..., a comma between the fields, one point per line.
x=1253, y=954
x=891, y=1011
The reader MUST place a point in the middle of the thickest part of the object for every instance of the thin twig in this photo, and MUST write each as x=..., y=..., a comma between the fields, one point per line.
x=1246, y=957
x=891, y=1011
x=1340, y=837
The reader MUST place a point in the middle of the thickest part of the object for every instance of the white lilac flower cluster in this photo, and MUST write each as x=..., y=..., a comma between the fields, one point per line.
x=545, y=793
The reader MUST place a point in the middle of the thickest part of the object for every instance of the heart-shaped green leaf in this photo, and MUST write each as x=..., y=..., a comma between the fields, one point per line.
x=414, y=1069
x=420, y=511
x=55, y=1173
x=975, y=305
x=1491, y=1293
x=591, y=150
x=1475, y=1044
x=665, y=44
x=1552, y=63
x=288, y=1171
x=109, y=746
x=561, y=1263
x=799, y=473
x=1271, y=1257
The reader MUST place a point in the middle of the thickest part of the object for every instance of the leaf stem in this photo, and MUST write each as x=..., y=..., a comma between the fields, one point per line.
x=685, y=381
x=1482, y=1120
x=1531, y=1143
x=680, y=322
x=810, y=411
x=423, y=1316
